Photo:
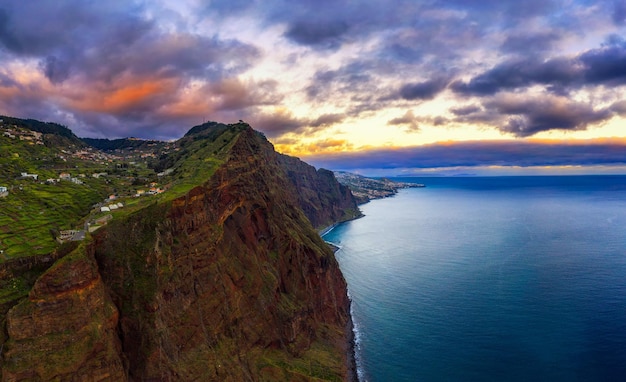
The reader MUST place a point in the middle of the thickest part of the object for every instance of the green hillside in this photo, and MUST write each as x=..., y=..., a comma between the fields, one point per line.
x=38, y=203
x=36, y=210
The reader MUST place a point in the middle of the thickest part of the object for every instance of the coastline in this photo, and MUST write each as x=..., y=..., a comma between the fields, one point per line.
x=353, y=371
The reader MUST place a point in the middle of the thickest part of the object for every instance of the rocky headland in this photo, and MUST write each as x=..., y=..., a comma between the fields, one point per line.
x=226, y=279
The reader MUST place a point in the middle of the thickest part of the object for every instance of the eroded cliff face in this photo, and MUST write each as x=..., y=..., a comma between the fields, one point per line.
x=229, y=282
x=323, y=200
x=66, y=329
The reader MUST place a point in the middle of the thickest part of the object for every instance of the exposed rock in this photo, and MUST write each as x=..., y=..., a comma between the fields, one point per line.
x=228, y=282
x=65, y=329
x=323, y=199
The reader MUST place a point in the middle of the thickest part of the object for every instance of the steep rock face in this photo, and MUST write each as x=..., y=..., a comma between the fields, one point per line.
x=65, y=329
x=231, y=282
x=323, y=200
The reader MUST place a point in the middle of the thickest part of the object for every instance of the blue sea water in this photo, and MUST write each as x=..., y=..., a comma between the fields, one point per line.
x=490, y=279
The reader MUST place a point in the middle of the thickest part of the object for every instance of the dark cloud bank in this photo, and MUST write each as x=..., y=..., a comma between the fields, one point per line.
x=480, y=153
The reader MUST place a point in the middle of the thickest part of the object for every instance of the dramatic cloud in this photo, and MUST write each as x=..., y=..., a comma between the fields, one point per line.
x=108, y=64
x=413, y=71
x=601, y=66
x=530, y=116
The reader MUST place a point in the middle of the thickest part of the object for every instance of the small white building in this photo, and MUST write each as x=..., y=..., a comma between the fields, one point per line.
x=3, y=189
x=105, y=209
x=27, y=175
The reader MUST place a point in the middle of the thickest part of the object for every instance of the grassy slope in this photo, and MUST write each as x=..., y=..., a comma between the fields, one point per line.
x=200, y=155
x=32, y=209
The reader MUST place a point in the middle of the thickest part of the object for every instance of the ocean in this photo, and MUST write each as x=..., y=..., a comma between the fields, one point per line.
x=490, y=279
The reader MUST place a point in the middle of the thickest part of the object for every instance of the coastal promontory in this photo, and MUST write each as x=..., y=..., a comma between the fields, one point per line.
x=222, y=277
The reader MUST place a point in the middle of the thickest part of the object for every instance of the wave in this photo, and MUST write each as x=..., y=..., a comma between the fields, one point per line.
x=358, y=359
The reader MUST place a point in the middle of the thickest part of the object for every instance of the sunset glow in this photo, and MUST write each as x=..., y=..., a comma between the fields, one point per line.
x=356, y=78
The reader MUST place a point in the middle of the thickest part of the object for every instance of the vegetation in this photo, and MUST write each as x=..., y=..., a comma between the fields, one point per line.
x=41, y=127
x=120, y=144
x=41, y=204
x=200, y=154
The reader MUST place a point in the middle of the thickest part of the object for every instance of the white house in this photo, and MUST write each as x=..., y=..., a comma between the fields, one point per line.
x=3, y=189
x=26, y=175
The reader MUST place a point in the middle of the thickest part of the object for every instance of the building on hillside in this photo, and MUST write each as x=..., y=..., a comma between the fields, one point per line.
x=4, y=192
x=71, y=235
x=27, y=175
x=65, y=176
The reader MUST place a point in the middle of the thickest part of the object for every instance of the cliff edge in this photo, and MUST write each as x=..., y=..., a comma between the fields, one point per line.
x=226, y=280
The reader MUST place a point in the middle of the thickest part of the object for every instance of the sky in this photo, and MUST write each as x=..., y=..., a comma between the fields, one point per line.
x=378, y=87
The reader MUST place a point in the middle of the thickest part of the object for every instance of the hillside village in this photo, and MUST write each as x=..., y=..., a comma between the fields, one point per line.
x=54, y=189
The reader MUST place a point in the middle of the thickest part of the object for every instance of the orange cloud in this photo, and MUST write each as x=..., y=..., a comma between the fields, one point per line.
x=124, y=97
x=320, y=147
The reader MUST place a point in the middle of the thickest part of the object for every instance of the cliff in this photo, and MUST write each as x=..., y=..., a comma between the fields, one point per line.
x=323, y=199
x=226, y=281
x=66, y=328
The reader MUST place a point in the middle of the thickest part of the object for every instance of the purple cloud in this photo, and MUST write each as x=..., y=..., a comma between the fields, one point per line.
x=423, y=90
x=601, y=66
